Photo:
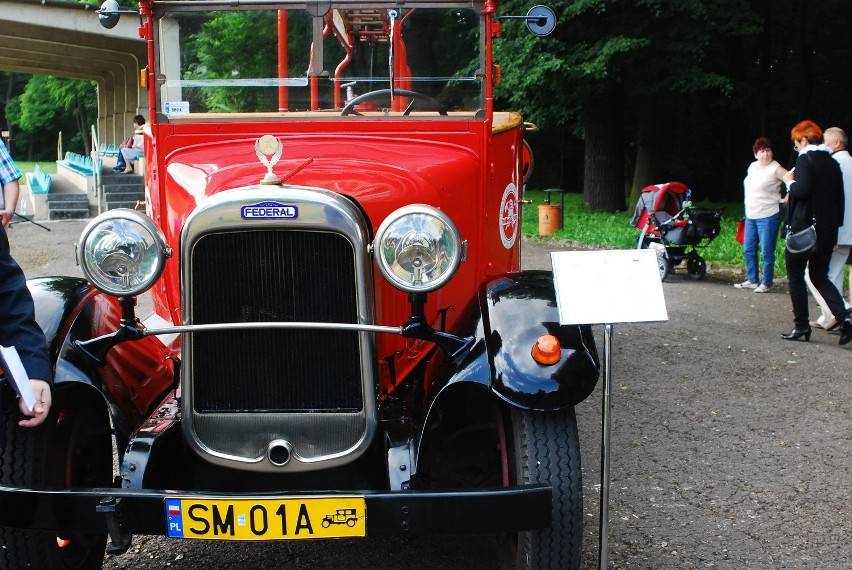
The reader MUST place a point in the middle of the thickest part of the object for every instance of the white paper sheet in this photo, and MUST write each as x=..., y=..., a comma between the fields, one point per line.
x=608, y=287
x=19, y=377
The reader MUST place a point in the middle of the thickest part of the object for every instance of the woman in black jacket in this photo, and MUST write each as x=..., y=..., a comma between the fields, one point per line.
x=815, y=196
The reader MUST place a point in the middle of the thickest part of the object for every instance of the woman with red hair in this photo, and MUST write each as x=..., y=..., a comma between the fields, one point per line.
x=815, y=188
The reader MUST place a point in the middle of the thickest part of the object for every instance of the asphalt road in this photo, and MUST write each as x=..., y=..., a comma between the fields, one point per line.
x=730, y=447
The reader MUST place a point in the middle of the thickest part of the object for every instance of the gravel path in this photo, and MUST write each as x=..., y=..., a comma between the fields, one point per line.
x=730, y=447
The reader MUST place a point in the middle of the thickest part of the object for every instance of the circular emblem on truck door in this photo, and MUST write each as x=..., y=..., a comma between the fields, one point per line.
x=509, y=216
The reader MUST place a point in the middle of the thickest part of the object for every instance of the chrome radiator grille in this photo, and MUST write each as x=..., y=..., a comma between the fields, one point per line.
x=275, y=275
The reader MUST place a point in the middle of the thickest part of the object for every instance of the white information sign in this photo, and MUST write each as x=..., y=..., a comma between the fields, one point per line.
x=11, y=363
x=608, y=287
x=176, y=107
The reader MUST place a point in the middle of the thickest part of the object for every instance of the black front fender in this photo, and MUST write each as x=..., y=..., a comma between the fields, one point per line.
x=135, y=377
x=58, y=301
x=55, y=300
x=516, y=310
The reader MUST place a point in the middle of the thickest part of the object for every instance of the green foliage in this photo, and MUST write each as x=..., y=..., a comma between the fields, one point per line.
x=35, y=109
x=614, y=231
x=651, y=60
x=45, y=97
x=235, y=45
x=48, y=105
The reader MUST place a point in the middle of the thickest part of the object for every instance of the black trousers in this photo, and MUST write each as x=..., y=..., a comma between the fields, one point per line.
x=817, y=266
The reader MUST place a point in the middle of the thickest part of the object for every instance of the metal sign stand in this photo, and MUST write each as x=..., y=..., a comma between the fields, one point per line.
x=603, y=527
x=607, y=283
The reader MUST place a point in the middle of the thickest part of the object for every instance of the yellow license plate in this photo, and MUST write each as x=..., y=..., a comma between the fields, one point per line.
x=266, y=519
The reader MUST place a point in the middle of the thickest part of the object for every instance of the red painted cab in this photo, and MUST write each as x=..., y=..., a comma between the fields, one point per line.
x=344, y=338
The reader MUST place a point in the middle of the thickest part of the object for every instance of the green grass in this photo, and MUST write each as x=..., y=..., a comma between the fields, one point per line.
x=49, y=167
x=614, y=230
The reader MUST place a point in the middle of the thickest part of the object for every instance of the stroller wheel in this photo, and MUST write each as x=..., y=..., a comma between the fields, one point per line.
x=697, y=268
x=664, y=266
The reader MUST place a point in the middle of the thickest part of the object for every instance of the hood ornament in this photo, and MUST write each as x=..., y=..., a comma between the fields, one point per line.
x=268, y=150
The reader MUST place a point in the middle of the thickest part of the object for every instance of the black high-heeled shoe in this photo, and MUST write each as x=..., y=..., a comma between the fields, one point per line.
x=846, y=330
x=796, y=334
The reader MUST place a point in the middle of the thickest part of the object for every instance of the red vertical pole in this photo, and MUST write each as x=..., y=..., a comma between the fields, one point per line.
x=398, y=102
x=146, y=32
x=492, y=29
x=338, y=71
x=283, y=71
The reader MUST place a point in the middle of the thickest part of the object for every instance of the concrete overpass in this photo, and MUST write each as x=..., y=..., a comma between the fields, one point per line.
x=65, y=39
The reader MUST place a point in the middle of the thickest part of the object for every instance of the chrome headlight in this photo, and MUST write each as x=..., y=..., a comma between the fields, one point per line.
x=122, y=252
x=418, y=248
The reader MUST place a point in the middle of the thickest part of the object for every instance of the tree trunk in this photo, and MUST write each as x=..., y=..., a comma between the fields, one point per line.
x=644, y=171
x=651, y=144
x=603, y=179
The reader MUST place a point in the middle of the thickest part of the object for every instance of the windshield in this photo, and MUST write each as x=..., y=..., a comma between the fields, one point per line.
x=417, y=61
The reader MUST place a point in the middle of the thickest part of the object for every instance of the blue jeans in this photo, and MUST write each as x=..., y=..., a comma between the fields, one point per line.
x=130, y=154
x=765, y=232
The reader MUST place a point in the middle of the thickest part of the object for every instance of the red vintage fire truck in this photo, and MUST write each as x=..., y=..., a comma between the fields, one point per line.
x=330, y=241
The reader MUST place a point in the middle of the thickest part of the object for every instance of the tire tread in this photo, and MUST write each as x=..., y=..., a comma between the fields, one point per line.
x=549, y=453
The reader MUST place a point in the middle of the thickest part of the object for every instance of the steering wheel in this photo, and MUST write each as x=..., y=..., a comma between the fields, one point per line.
x=350, y=107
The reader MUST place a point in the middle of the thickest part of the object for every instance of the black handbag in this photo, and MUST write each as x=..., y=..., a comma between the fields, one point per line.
x=802, y=242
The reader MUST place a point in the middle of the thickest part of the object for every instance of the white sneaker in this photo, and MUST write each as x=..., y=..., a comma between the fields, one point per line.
x=761, y=288
x=746, y=285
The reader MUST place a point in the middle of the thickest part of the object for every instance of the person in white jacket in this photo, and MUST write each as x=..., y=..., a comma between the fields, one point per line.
x=836, y=141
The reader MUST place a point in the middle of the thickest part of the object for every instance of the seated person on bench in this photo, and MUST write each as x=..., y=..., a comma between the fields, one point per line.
x=130, y=152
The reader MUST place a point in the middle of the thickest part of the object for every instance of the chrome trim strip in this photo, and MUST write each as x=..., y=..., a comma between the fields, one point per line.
x=340, y=438
x=270, y=325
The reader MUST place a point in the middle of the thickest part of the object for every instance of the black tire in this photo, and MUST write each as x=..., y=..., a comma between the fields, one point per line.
x=546, y=449
x=72, y=449
x=697, y=268
x=664, y=266
x=663, y=263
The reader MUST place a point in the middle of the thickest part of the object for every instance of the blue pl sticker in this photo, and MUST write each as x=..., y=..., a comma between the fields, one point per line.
x=174, y=519
x=270, y=211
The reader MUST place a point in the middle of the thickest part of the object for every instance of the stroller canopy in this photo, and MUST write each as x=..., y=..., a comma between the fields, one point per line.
x=666, y=197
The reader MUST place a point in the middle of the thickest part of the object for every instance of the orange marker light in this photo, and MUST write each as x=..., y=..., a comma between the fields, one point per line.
x=547, y=350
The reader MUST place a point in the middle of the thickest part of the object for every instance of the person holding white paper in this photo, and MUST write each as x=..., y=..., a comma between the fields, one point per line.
x=18, y=327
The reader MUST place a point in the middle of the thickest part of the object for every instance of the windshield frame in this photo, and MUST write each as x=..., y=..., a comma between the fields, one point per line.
x=162, y=9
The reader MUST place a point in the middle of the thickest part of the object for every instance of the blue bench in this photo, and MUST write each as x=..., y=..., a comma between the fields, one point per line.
x=83, y=165
x=110, y=151
x=38, y=181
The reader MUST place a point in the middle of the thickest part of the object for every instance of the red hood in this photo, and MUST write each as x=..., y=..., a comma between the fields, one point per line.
x=381, y=176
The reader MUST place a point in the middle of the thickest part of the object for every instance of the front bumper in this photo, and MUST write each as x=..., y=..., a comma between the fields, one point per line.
x=142, y=511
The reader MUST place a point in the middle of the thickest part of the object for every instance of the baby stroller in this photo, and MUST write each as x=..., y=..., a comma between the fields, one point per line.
x=672, y=227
